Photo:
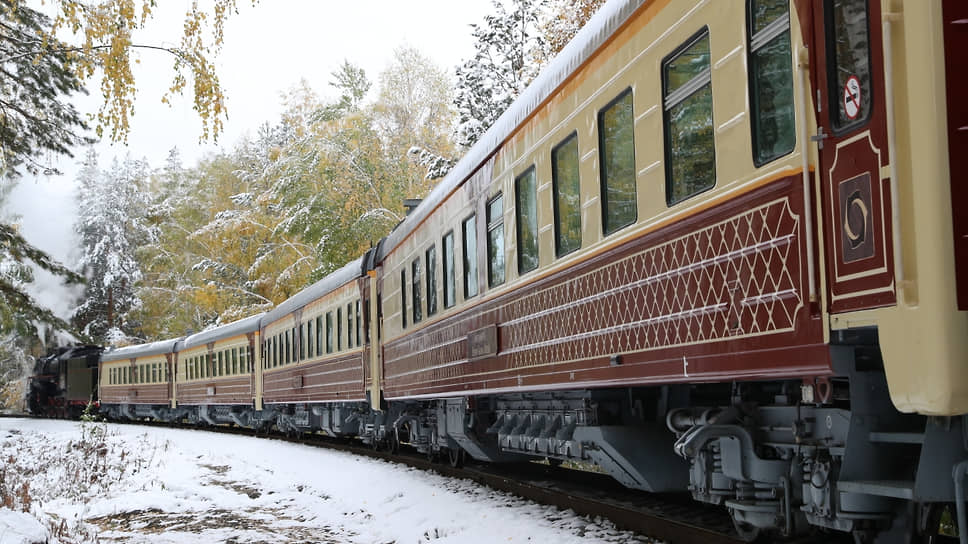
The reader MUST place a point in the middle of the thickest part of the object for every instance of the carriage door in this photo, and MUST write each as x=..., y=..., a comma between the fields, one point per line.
x=852, y=136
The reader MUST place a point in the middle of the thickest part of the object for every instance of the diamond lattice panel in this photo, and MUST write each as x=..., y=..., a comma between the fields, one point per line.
x=739, y=277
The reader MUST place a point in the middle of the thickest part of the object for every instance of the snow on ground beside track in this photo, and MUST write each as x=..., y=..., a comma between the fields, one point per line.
x=135, y=484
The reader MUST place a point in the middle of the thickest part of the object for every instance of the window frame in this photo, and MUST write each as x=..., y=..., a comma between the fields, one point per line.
x=349, y=325
x=403, y=297
x=833, y=92
x=430, y=265
x=470, y=264
x=555, y=194
x=686, y=91
x=754, y=43
x=359, y=321
x=533, y=173
x=493, y=225
x=416, y=301
x=339, y=329
x=450, y=281
x=602, y=173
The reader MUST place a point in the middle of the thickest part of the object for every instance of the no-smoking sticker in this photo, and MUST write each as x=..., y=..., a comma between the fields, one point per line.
x=852, y=98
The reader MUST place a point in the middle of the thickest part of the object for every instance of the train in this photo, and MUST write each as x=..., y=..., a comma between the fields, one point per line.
x=714, y=248
x=63, y=383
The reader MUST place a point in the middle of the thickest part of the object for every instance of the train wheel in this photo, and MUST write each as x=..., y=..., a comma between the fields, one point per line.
x=456, y=457
x=745, y=531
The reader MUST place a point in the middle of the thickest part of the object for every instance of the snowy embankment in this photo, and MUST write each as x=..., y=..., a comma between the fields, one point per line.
x=69, y=482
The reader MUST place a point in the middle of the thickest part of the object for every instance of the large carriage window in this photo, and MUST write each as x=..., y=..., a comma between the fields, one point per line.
x=415, y=289
x=771, y=79
x=495, y=241
x=431, y=257
x=469, y=233
x=329, y=332
x=403, y=298
x=616, y=149
x=565, y=179
x=688, y=103
x=848, y=62
x=526, y=213
x=449, y=281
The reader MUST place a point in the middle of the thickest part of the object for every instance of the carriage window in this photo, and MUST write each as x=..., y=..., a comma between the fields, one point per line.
x=319, y=335
x=688, y=104
x=771, y=79
x=403, y=298
x=431, y=258
x=616, y=149
x=339, y=329
x=526, y=215
x=565, y=181
x=469, y=234
x=495, y=241
x=349, y=325
x=329, y=332
x=302, y=341
x=289, y=351
x=449, y=281
x=359, y=321
x=310, y=342
x=235, y=361
x=415, y=290
x=848, y=62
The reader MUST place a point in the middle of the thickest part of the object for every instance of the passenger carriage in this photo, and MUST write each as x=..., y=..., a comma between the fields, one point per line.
x=216, y=378
x=312, y=352
x=135, y=381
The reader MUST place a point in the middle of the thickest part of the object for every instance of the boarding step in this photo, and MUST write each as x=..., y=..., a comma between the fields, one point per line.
x=898, y=489
x=896, y=438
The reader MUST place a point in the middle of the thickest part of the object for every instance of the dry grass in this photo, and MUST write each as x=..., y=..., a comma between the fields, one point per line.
x=38, y=471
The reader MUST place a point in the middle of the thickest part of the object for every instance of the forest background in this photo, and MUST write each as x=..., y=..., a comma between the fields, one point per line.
x=167, y=250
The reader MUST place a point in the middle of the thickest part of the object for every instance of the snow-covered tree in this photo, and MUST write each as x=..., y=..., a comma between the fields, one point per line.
x=562, y=19
x=414, y=111
x=110, y=225
x=508, y=46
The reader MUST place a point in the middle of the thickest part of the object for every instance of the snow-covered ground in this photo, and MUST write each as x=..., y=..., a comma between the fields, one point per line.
x=71, y=482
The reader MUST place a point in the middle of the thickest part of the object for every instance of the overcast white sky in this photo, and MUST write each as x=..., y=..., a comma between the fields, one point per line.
x=268, y=48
